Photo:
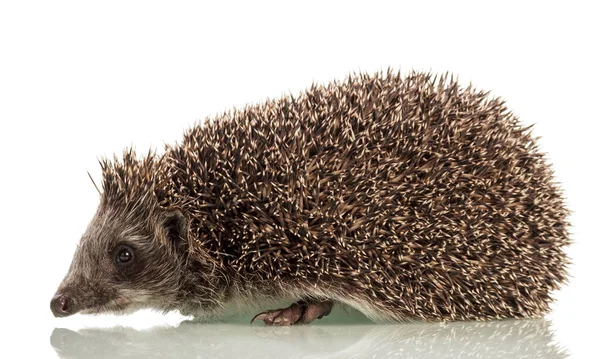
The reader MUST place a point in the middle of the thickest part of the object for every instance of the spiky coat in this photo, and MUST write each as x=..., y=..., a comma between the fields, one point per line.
x=405, y=197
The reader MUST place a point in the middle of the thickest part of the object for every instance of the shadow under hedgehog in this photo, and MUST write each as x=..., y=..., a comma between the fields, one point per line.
x=405, y=197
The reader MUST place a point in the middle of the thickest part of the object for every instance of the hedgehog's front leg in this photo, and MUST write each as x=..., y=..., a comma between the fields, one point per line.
x=302, y=312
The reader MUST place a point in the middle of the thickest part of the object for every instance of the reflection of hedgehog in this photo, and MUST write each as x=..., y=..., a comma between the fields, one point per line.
x=406, y=198
x=494, y=339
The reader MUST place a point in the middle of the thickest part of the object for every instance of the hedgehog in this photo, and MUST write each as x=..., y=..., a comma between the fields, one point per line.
x=406, y=197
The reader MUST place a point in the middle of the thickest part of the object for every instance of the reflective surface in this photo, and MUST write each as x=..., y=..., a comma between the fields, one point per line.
x=500, y=339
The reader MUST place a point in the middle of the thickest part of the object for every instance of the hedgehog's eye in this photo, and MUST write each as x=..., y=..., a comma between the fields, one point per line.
x=124, y=254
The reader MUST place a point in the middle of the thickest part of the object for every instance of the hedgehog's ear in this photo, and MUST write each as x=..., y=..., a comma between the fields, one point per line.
x=175, y=224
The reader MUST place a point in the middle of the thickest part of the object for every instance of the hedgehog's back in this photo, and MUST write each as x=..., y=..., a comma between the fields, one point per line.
x=428, y=198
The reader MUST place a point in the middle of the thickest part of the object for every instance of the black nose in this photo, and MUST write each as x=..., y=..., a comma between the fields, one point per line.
x=62, y=305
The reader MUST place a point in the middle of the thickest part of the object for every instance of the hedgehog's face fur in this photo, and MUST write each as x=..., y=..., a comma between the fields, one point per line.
x=125, y=261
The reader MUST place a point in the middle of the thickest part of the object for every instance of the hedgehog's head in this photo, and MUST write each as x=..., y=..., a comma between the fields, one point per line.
x=134, y=252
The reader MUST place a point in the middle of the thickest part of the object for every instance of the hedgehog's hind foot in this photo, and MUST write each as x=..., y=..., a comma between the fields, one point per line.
x=302, y=312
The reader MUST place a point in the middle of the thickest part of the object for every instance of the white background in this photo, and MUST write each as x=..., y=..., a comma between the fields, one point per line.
x=80, y=80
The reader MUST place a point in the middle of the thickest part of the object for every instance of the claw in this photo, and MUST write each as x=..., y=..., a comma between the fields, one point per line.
x=259, y=316
x=268, y=316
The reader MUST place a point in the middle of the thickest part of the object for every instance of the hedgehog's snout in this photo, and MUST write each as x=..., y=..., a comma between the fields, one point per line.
x=62, y=305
